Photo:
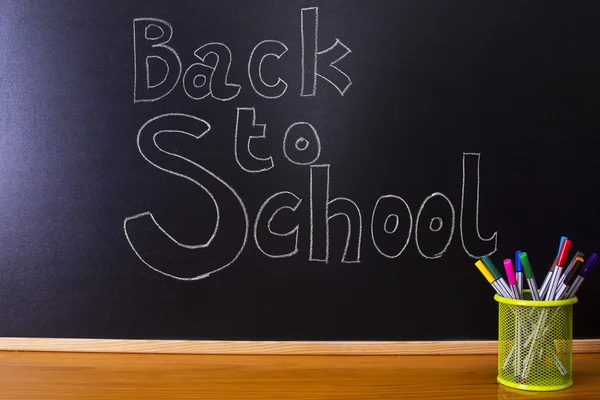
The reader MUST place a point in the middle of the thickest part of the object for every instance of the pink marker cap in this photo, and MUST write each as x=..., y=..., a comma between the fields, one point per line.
x=510, y=272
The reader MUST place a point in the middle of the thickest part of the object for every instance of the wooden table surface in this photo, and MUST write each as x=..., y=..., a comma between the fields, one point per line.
x=145, y=376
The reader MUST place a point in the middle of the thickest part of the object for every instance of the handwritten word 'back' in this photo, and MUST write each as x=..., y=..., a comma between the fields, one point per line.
x=210, y=75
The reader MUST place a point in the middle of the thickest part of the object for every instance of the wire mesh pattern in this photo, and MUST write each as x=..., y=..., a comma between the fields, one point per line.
x=535, y=343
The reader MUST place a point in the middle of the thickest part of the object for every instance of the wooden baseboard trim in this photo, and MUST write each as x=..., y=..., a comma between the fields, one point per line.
x=265, y=348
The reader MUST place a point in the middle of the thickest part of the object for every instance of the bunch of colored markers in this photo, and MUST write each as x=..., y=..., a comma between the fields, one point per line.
x=534, y=327
x=562, y=280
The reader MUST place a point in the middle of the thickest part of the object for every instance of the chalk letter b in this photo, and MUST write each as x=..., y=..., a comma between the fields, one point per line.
x=150, y=36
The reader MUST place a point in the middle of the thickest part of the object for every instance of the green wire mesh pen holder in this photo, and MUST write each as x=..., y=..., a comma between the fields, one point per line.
x=535, y=343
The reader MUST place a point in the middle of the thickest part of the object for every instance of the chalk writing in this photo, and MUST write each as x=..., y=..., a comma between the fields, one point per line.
x=473, y=158
x=298, y=151
x=320, y=219
x=258, y=55
x=425, y=202
x=149, y=231
x=281, y=197
x=388, y=202
x=206, y=78
x=245, y=125
x=218, y=74
x=322, y=63
x=146, y=47
x=278, y=221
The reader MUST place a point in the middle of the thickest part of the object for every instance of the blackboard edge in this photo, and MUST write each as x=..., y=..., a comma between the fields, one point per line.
x=267, y=347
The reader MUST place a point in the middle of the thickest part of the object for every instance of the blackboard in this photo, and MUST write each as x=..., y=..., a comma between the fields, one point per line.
x=290, y=170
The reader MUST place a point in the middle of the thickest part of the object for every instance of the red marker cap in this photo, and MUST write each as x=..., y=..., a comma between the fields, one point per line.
x=564, y=252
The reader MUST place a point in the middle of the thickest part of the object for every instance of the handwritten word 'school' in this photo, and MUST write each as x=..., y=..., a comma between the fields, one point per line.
x=392, y=223
x=210, y=75
x=232, y=225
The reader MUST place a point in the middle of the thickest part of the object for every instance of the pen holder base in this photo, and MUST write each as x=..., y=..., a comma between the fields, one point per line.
x=535, y=343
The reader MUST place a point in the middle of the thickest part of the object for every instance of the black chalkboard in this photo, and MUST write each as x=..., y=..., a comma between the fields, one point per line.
x=290, y=170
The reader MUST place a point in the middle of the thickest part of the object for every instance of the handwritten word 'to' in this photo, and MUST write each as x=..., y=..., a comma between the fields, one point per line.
x=301, y=143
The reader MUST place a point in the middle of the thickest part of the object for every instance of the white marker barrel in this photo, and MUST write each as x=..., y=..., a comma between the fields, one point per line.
x=574, y=287
x=533, y=288
x=562, y=288
x=520, y=284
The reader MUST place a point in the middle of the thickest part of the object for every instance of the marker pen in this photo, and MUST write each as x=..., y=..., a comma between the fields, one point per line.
x=519, y=273
x=544, y=286
x=583, y=273
x=512, y=279
x=571, y=274
x=529, y=275
x=490, y=278
x=497, y=275
x=562, y=258
x=578, y=255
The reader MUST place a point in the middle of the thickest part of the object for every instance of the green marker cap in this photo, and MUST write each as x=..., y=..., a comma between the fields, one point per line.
x=490, y=265
x=526, y=265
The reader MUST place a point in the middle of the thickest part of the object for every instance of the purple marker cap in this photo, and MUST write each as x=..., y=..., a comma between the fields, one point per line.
x=589, y=263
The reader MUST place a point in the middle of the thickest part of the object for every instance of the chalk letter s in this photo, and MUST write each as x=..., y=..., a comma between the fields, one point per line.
x=145, y=235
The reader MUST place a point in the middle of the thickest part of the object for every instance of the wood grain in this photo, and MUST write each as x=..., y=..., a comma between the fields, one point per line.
x=258, y=347
x=85, y=376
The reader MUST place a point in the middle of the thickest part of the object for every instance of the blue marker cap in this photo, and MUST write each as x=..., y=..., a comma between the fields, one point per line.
x=518, y=265
x=562, y=239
